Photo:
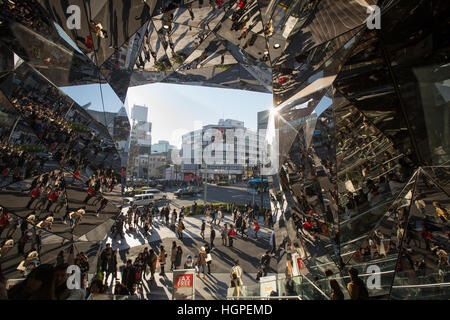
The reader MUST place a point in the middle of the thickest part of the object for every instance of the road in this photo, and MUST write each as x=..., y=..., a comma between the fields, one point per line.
x=233, y=193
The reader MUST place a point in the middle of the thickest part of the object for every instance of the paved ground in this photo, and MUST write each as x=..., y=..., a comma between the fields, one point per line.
x=247, y=250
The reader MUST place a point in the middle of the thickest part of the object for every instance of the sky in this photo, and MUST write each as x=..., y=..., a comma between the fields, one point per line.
x=177, y=109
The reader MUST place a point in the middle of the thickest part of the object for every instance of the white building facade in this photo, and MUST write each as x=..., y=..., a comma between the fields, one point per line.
x=226, y=151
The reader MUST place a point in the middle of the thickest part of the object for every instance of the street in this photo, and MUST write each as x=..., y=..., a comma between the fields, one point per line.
x=234, y=193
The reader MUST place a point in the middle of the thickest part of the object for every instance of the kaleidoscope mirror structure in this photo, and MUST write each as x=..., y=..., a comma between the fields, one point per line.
x=362, y=116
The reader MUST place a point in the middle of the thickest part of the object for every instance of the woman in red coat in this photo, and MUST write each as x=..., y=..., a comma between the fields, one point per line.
x=256, y=228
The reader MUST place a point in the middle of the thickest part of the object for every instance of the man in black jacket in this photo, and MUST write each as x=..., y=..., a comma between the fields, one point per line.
x=265, y=263
x=202, y=229
x=129, y=276
x=212, y=237
x=357, y=288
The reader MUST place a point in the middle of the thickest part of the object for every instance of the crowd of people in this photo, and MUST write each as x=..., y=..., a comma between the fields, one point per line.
x=50, y=281
x=148, y=261
x=25, y=12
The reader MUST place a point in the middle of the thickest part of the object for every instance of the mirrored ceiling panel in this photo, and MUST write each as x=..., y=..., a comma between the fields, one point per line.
x=105, y=25
x=118, y=68
x=49, y=54
x=196, y=13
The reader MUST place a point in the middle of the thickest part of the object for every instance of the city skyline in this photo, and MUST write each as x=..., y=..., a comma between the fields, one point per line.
x=195, y=106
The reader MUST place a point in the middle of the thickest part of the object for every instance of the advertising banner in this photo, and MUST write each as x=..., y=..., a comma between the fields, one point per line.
x=298, y=266
x=183, y=284
x=267, y=285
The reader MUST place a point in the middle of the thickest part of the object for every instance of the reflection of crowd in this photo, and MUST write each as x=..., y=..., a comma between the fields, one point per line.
x=17, y=164
x=374, y=170
x=73, y=143
x=49, y=282
x=26, y=12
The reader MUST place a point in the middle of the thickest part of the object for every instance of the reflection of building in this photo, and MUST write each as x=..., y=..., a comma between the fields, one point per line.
x=263, y=119
x=118, y=127
x=173, y=172
x=162, y=146
x=263, y=123
x=157, y=165
x=235, y=149
x=140, y=143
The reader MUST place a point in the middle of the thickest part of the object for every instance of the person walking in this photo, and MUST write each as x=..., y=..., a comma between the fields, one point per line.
x=152, y=259
x=162, y=260
x=213, y=216
x=243, y=227
x=173, y=255
x=139, y=266
x=231, y=235
x=220, y=217
x=105, y=257
x=201, y=262
x=167, y=215
x=212, y=237
x=272, y=242
x=208, y=258
x=336, y=292
x=357, y=288
x=111, y=267
x=235, y=284
x=129, y=276
x=202, y=229
x=236, y=272
x=178, y=257
x=265, y=263
x=180, y=229
x=224, y=234
x=256, y=228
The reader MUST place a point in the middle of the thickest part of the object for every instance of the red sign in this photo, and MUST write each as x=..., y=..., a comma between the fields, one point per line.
x=184, y=281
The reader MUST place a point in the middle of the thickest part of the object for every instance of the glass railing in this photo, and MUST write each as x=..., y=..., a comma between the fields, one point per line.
x=299, y=287
x=421, y=285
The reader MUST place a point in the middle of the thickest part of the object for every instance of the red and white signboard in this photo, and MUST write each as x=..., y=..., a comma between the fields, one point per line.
x=183, y=281
x=298, y=265
x=183, y=284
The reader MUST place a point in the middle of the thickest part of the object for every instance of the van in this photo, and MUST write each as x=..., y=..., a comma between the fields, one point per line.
x=156, y=193
x=143, y=199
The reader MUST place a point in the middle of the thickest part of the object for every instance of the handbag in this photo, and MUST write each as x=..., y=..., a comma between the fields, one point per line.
x=208, y=257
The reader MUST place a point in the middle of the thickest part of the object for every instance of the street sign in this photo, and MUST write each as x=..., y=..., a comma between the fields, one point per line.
x=183, y=284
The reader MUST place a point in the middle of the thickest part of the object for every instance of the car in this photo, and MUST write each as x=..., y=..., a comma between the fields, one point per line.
x=196, y=189
x=184, y=192
x=160, y=187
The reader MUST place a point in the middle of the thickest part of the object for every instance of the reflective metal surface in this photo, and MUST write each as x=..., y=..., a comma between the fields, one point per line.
x=359, y=130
